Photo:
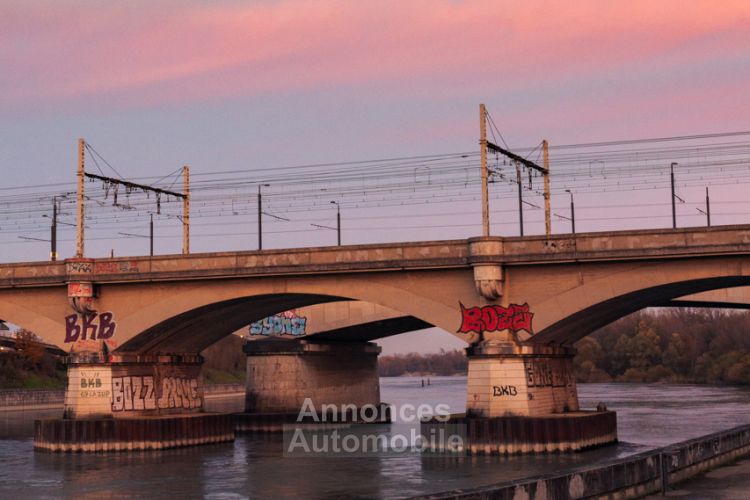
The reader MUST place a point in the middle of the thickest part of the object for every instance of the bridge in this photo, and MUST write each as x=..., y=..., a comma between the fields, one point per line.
x=519, y=303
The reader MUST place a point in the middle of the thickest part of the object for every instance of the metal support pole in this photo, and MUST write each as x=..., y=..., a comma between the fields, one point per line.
x=260, y=218
x=674, y=208
x=485, y=175
x=338, y=222
x=708, y=208
x=185, y=210
x=151, y=235
x=80, y=199
x=547, y=207
x=260, y=223
x=520, y=198
x=572, y=211
x=53, y=232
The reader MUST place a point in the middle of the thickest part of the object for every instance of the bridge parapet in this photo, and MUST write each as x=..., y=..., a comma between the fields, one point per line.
x=628, y=245
x=474, y=252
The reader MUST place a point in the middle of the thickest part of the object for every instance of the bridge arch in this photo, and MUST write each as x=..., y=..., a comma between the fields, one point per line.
x=194, y=315
x=587, y=320
x=42, y=314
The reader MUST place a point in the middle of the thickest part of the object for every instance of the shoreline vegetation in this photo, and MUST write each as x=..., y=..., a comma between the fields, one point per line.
x=669, y=345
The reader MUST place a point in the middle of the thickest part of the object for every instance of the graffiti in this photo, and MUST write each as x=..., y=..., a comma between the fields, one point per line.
x=116, y=267
x=85, y=327
x=558, y=246
x=548, y=373
x=133, y=393
x=80, y=290
x=504, y=390
x=80, y=267
x=179, y=393
x=286, y=323
x=496, y=318
x=92, y=386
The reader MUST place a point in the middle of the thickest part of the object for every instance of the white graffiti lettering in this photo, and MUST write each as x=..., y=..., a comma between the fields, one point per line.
x=133, y=393
x=179, y=393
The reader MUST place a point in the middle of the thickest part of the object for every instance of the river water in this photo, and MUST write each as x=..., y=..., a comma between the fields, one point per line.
x=254, y=466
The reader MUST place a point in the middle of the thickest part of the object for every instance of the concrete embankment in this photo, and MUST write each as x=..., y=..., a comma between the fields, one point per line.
x=32, y=399
x=632, y=477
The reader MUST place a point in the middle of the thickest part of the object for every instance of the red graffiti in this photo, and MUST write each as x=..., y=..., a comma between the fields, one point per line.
x=88, y=329
x=496, y=318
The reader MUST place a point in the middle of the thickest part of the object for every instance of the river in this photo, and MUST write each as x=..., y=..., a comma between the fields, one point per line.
x=254, y=467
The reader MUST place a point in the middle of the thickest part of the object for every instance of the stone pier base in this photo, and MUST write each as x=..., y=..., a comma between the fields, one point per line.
x=147, y=433
x=563, y=432
x=285, y=376
x=522, y=398
x=128, y=385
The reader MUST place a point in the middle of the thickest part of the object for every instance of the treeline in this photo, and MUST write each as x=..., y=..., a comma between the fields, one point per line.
x=677, y=345
x=28, y=366
x=442, y=363
x=707, y=346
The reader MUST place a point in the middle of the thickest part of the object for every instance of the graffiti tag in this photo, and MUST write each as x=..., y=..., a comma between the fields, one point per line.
x=83, y=327
x=179, y=393
x=504, y=390
x=133, y=393
x=80, y=267
x=92, y=386
x=540, y=373
x=286, y=323
x=496, y=318
x=116, y=267
x=80, y=290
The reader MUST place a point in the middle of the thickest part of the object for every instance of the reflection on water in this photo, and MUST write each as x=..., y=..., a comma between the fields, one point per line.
x=253, y=466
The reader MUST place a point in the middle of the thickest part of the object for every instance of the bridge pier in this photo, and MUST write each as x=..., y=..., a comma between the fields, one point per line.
x=522, y=398
x=507, y=378
x=285, y=377
x=132, y=402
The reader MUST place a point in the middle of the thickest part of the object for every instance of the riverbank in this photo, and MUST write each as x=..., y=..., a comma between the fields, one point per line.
x=730, y=481
x=643, y=474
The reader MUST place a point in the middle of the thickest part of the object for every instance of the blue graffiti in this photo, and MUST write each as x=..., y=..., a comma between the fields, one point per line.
x=279, y=325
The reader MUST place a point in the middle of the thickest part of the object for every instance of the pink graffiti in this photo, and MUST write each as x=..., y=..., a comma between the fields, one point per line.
x=496, y=318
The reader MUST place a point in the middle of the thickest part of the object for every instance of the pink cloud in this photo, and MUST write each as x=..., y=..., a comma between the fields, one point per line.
x=155, y=53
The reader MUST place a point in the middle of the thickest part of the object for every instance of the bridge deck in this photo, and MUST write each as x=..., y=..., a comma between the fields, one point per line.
x=605, y=246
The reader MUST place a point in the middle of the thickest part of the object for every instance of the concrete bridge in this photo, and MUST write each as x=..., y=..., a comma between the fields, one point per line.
x=520, y=303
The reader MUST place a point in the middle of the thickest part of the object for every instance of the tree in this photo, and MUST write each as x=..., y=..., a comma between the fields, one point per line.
x=29, y=348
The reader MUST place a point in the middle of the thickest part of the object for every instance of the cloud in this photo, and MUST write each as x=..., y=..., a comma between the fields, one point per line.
x=155, y=53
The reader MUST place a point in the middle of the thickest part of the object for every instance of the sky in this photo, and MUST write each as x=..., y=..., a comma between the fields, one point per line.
x=227, y=85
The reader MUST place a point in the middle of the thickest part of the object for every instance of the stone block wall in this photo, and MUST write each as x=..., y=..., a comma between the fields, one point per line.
x=134, y=387
x=521, y=384
x=280, y=379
